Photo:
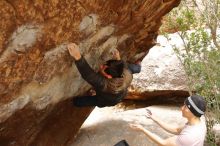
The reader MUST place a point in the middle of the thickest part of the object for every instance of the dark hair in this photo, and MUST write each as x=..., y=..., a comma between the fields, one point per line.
x=196, y=104
x=115, y=68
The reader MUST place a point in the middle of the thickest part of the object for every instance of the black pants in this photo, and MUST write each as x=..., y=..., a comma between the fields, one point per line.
x=84, y=101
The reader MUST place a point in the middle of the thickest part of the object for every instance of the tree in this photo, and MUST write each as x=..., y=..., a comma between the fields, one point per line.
x=197, y=23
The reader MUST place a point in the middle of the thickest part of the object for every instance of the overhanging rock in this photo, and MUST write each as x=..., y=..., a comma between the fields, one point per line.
x=38, y=77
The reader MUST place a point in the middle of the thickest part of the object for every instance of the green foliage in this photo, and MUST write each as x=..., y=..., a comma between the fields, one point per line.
x=201, y=54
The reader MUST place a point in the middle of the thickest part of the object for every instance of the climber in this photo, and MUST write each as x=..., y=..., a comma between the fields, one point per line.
x=110, y=84
x=191, y=134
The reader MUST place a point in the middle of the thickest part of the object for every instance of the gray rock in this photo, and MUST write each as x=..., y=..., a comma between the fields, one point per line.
x=161, y=70
x=107, y=126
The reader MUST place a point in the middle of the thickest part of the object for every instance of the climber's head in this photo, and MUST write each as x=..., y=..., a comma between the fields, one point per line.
x=114, y=68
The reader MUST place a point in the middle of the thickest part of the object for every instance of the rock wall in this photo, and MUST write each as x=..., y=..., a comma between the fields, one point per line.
x=37, y=75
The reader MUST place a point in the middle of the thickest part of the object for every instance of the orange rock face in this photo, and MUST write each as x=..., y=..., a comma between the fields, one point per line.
x=38, y=77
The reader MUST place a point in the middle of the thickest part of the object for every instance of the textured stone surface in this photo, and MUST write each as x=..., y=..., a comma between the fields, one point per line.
x=37, y=75
x=162, y=73
x=107, y=126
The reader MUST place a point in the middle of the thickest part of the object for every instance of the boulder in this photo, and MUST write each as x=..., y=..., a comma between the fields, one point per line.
x=107, y=126
x=162, y=76
x=38, y=78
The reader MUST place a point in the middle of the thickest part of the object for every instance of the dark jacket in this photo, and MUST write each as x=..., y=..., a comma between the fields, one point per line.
x=108, y=91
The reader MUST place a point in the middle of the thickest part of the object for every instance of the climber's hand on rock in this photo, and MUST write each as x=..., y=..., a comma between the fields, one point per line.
x=74, y=51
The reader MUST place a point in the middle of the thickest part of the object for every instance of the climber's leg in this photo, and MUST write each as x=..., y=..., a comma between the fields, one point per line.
x=85, y=101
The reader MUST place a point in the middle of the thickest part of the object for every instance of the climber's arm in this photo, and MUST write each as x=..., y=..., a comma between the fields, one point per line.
x=87, y=73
